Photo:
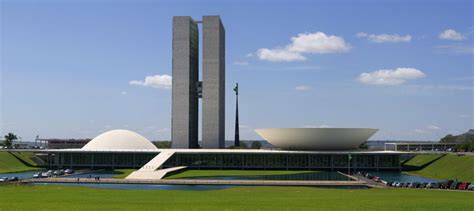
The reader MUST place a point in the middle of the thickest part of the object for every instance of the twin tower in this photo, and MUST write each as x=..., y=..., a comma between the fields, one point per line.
x=187, y=88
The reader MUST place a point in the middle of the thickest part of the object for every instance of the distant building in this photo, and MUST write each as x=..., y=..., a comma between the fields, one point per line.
x=419, y=146
x=55, y=143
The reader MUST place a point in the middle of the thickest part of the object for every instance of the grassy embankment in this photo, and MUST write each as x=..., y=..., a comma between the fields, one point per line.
x=122, y=173
x=49, y=197
x=220, y=173
x=448, y=167
x=18, y=162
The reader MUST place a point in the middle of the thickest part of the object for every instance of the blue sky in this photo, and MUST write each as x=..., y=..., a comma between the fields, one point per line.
x=405, y=67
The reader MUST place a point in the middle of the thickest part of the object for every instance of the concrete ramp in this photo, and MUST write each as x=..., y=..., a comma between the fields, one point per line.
x=157, y=161
x=153, y=175
x=150, y=169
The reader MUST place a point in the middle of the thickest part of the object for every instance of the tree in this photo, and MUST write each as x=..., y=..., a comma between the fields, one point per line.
x=364, y=146
x=9, y=138
x=256, y=145
x=242, y=146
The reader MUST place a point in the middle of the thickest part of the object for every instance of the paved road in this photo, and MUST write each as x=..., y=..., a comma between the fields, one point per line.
x=202, y=182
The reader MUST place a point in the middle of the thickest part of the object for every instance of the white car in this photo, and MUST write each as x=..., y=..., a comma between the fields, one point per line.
x=46, y=174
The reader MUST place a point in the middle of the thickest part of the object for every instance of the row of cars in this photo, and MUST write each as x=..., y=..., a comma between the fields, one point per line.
x=11, y=179
x=51, y=173
x=451, y=184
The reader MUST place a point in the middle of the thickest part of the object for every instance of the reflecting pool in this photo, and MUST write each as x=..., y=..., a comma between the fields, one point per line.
x=320, y=175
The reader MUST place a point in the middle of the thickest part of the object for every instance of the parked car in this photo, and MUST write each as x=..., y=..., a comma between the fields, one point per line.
x=376, y=179
x=37, y=175
x=3, y=179
x=46, y=174
x=429, y=185
x=453, y=185
x=435, y=185
x=416, y=185
x=13, y=179
x=463, y=185
x=445, y=185
x=423, y=185
x=69, y=171
x=58, y=172
x=471, y=186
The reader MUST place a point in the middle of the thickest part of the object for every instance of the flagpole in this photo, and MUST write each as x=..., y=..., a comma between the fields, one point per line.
x=236, y=137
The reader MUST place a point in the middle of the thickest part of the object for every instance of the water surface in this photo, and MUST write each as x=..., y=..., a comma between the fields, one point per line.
x=315, y=176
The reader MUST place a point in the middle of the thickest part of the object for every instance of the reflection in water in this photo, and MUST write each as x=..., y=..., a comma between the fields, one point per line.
x=322, y=175
x=101, y=174
x=145, y=186
x=401, y=177
x=20, y=175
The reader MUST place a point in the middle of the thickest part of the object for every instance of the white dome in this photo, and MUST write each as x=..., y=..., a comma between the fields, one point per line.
x=119, y=139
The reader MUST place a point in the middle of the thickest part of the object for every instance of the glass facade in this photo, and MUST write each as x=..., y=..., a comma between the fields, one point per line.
x=228, y=160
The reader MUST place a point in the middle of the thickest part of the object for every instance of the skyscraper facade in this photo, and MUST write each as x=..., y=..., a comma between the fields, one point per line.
x=187, y=89
x=185, y=102
x=213, y=83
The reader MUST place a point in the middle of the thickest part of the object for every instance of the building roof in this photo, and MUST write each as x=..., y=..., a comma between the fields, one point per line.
x=119, y=140
x=316, y=138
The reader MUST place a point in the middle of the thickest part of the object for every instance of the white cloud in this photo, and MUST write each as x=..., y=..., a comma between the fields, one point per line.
x=420, y=131
x=318, y=43
x=307, y=43
x=463, y=116
x=456, y=49
x=433, y=127
x=156, y=81
x=302, y=88
x=279, y=55
x=123, y=93
x=163, y=130
x=391, y=77
x=451, y=34
x=325, y=126
x=241, y=63
x=382, y=38
x=249, y=55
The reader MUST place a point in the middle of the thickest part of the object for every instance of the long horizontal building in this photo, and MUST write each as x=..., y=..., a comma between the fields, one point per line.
x=225, y=159
x=126, y=149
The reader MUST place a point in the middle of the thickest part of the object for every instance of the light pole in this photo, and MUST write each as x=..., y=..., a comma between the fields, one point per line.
x=349, y=166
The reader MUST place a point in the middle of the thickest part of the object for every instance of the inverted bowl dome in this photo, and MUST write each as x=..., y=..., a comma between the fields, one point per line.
x=316, y=138
x=119, y=139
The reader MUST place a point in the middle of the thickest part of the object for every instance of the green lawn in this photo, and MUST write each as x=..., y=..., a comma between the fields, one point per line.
x=122, y=173
x=9, y=163
x=421, y=160
x=450, y=167
x=50, y=197
x=219, y=173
